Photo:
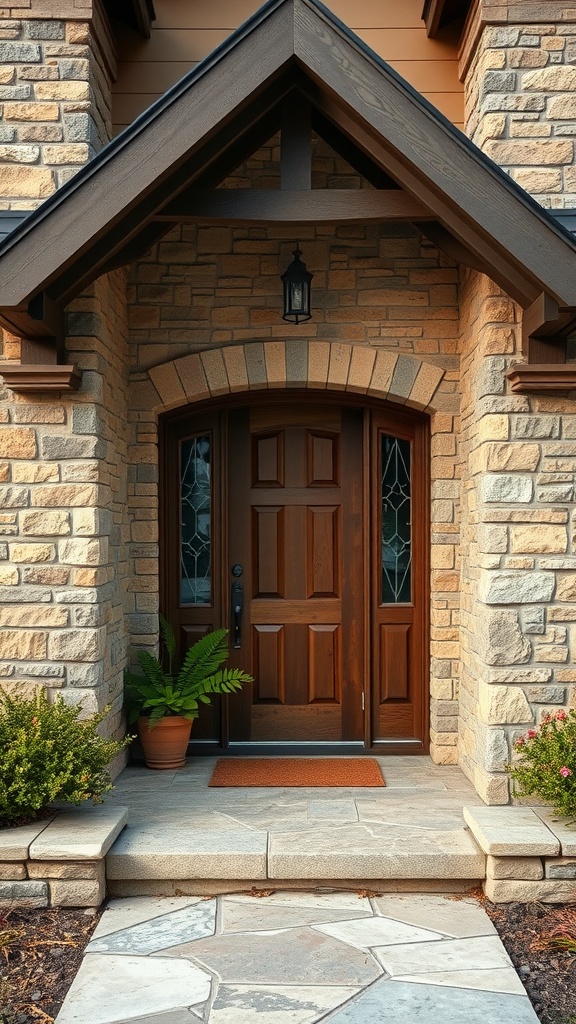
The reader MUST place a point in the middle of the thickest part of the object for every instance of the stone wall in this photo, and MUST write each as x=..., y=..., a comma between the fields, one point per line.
x=518, y=561
x=520, y=95
x=63, y=518
x=56, y=74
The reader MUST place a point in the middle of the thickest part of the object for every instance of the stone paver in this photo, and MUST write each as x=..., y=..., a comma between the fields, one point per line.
x=86, y=833
x=15, y=842
x=511, y=832
x=334, y=957
x=194, y=922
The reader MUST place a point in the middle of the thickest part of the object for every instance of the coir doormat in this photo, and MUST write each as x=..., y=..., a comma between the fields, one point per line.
x=297, y=771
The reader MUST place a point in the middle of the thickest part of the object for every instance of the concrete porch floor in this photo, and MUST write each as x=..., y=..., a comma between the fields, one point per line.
x=183, y=837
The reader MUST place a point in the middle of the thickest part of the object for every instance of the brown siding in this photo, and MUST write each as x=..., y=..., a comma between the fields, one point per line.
x=185, y=31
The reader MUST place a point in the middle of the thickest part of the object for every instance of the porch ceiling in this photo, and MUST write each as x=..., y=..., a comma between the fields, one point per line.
x=218, y=114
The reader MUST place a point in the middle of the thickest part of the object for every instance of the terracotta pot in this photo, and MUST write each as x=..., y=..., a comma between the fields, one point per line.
x=165, y=745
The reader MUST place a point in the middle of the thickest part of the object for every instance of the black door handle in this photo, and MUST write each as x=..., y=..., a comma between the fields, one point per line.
x=237, y=609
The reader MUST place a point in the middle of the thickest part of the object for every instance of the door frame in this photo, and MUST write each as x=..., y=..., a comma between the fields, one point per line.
x=213, y=407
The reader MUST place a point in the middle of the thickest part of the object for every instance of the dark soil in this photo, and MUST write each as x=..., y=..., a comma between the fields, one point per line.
x=41, y=951
x=541, y=942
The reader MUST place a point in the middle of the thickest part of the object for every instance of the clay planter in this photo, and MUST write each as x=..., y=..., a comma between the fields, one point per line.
x=165, y=745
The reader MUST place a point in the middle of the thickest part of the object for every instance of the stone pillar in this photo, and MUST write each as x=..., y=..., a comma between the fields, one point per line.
x=518, y=564
x=63, y=561
x=57, y=65
x=518, y=64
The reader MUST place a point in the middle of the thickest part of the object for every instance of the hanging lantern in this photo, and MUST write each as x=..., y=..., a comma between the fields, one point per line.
x=296, y=280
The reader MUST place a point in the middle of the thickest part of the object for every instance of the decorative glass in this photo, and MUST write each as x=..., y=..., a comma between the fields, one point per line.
x=196, y=521
x=396, y=521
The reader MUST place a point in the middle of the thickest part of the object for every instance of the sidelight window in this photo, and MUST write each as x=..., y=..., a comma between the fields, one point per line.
x=396, y=522
x=196, y=521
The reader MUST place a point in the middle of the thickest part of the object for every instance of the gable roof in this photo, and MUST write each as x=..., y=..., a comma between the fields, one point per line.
x=221, y=111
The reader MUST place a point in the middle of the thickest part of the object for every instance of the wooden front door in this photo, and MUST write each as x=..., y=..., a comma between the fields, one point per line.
x=294, y=525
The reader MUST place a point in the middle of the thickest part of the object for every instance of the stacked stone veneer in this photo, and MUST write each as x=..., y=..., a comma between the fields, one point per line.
x=518, y=559
x=63, y=519
x=518, y=63
x=59, y=862
x=56, y=72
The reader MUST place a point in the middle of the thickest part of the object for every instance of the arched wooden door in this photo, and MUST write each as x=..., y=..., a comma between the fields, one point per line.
x=303, y=527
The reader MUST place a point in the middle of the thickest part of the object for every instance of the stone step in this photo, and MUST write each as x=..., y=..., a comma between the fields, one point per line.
x=352, y=852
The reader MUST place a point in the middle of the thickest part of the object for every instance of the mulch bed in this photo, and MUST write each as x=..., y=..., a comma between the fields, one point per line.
x=541, y=942
x=41, y=951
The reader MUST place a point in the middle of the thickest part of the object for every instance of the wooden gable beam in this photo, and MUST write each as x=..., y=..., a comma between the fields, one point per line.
x=408, y=139
x=310, y=206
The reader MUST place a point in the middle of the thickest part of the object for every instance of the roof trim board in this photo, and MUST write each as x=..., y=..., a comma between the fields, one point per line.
x=287, y=44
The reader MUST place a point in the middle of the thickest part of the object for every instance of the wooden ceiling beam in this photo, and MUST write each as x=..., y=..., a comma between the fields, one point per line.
x=310, y=206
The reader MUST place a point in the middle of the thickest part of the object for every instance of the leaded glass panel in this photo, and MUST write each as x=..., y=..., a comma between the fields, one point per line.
x=196, y=521
x=396, y=521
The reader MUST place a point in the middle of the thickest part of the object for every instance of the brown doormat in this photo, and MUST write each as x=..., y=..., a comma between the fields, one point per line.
x=297, y=771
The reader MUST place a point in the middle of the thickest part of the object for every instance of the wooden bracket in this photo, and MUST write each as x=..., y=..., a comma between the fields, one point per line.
x=41, y=367
x=545, y=328
x=40, y=378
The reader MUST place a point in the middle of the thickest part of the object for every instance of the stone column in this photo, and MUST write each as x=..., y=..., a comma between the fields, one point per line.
x=518, y=64
x=57, y=65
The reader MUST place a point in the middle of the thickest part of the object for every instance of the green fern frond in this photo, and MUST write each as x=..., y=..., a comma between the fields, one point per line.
x=204, y=658
x=169, y=641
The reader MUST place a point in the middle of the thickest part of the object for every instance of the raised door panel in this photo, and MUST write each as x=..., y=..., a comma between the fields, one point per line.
x=268, y=551
x=323, y=551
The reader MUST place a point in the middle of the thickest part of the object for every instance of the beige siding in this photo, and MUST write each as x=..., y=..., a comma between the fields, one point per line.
x=185, y=31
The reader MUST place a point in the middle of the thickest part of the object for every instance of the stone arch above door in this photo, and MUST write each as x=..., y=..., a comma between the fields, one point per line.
x=259, y=366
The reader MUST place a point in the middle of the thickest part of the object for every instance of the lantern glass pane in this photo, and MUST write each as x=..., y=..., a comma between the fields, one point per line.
x=297, y=295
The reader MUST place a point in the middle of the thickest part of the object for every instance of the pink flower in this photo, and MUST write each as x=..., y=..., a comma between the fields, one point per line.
x=565, y=772
x=560, y=716
x=520, y=742
x=531, y=734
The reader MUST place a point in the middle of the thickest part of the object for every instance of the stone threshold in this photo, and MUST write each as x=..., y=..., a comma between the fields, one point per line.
x=59, y=861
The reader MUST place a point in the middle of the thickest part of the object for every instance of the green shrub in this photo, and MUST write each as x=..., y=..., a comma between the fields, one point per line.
x=48, y=755
x=546, y=764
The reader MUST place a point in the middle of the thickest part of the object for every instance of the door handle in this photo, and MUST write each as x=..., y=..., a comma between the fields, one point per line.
x=237, y=594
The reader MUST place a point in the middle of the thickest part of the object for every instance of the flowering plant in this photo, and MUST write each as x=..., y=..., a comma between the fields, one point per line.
x=546, y=763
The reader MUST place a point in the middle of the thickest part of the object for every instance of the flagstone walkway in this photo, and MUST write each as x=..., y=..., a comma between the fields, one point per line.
x=296, y=958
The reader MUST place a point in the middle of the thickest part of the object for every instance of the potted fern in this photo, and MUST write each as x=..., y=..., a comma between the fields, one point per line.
x=165, y=703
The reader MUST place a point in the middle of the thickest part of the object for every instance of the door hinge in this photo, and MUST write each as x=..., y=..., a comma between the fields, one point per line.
x=363, y=701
